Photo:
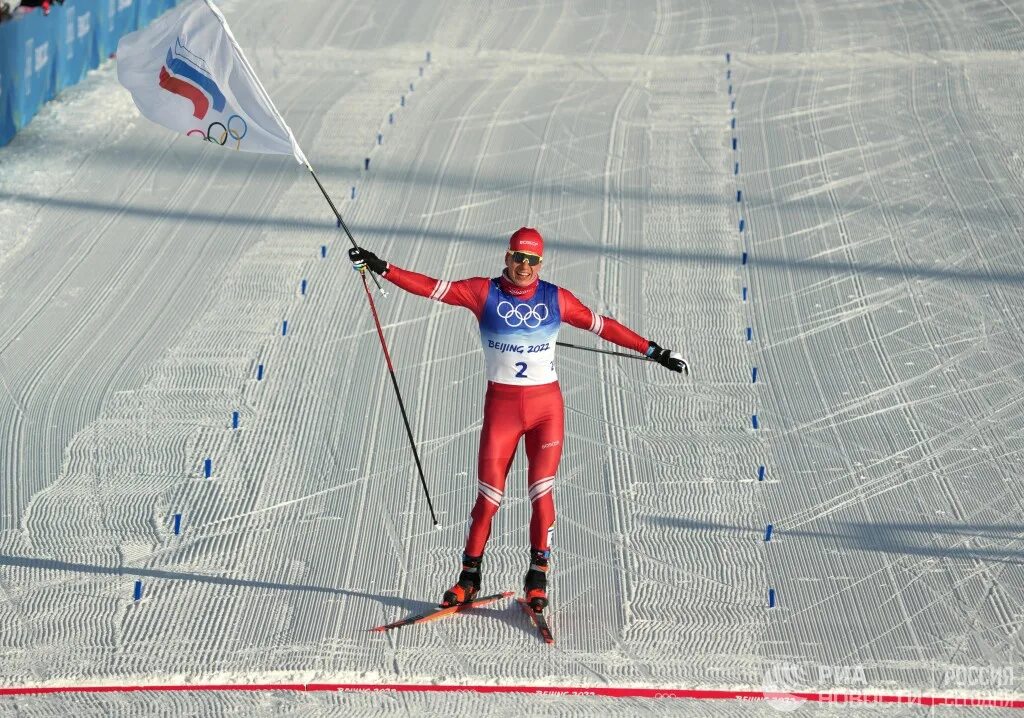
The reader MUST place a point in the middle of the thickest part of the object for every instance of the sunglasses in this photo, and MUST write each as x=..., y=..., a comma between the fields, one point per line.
x=532, y=259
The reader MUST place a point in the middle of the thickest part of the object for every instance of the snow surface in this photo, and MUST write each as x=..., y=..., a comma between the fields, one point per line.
x=143, y=277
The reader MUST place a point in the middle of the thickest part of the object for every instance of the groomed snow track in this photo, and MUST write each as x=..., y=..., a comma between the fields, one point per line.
x=837, y=203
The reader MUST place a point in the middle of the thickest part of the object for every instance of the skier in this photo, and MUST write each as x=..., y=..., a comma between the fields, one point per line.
x=519, y=317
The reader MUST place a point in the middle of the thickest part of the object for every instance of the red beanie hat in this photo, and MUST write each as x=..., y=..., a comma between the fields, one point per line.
x=527, y=239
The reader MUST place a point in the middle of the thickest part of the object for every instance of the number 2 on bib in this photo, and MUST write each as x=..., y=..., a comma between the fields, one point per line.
x=521, y=374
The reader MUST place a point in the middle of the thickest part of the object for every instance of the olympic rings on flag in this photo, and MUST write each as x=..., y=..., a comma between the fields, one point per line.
x=239, y=129
x=522, y=314
x=219, y=136
x=218, y=133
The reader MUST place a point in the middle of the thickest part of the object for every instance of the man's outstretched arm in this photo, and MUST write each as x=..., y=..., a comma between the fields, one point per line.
x=469, y=293
x=577, y=314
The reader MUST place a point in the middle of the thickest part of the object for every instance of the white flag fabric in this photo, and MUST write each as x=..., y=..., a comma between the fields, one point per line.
x=187, y=72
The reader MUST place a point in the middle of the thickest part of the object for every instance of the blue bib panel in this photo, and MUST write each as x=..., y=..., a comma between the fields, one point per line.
x=519, y=335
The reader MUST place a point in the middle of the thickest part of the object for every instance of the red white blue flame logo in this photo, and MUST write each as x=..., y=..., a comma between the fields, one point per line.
x=185, y=74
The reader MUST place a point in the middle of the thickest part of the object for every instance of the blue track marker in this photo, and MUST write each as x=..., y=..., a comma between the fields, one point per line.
x=177, y=524
x=302, y=287
x=207, y=468
x=739, y=195
x=744, y=259
x=753, y=421
x=234, y=420
x=138, y=590
x=750, y=334
x=284, y=328
x=753, y=375
x=259, y=373
x=768, y=532
x=760, y=473
x=743, y=224
x=771, y=598
x=736, y=168
x=744, y=294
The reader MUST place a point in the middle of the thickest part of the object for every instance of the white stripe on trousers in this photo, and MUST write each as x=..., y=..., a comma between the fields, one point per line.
x=490, y=493
x=543, y=487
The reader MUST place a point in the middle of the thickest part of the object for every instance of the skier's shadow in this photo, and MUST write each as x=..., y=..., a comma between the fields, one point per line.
x=510, y=614
x=155, y=573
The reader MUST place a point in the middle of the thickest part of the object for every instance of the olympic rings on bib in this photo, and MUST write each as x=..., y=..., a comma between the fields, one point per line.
x=218, y=133
x=522, y=314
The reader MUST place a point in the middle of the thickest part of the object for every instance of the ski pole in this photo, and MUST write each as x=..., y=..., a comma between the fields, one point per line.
x=341, y=222
x=383, y=343
x=605, y=351
x=401, y=404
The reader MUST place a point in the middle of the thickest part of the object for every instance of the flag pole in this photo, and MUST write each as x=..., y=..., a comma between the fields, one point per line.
x=341, y=222
x=300, y=156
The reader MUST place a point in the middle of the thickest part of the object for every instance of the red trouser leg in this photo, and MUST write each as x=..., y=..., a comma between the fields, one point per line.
x=544, y=435
x=498, y=440
x=510, y=412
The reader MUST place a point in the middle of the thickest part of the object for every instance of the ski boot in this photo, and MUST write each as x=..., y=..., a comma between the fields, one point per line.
x=535, y=585
x=468, y=585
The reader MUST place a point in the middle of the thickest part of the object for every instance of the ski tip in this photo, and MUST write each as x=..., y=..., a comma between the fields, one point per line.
x=378, y=629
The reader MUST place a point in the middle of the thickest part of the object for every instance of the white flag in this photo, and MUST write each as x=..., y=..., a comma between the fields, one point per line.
x=186, y=72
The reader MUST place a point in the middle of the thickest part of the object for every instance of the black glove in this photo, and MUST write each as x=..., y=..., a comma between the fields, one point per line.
x=363, y=258
x=668, y=359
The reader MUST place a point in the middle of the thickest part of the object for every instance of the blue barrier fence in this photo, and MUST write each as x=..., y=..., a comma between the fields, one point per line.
x=40, y=55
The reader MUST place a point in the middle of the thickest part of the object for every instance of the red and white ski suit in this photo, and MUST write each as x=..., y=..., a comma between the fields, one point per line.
x=519, y=327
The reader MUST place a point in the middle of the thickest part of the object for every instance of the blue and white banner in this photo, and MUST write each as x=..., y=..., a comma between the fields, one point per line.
x=40, y=55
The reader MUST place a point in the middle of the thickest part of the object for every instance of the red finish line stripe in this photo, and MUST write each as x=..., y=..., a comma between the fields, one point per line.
x=691, y=693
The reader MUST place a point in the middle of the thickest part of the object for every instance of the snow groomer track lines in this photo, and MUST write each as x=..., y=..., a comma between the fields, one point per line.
x=212, y=499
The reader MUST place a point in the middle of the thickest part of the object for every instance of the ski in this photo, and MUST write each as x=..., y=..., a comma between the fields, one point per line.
x=440, y=612
x=538, y=620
